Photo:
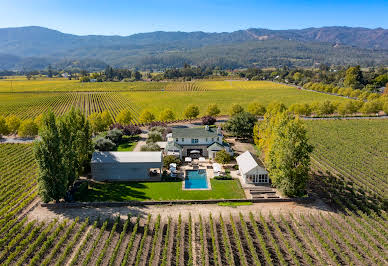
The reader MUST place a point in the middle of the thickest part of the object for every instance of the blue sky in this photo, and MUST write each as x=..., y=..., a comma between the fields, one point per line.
x=120, y=17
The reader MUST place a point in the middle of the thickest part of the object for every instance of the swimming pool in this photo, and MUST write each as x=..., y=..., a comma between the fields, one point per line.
x=196, y=179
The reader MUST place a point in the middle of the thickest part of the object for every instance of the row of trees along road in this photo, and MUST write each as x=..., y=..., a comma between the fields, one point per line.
x=63, y=153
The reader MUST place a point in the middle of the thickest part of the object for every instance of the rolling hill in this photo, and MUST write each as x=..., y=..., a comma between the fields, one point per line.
x=36, y=47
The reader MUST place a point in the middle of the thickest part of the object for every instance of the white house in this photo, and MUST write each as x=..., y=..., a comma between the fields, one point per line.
x=126, y=166
x=250, y=169
x=196, y=142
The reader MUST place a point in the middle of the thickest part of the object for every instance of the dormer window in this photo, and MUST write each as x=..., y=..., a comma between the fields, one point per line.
x=183, y=139
x=206, y=139
x=194, y=141
x=176, y=140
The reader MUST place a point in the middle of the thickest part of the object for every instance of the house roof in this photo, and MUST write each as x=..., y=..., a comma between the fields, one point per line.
x=247, y=162
x=172, y=146
x=195, y=132
x=127, y=157
x=215, y=147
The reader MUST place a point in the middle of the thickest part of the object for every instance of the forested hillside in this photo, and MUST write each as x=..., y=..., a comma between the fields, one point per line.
x=28, y=48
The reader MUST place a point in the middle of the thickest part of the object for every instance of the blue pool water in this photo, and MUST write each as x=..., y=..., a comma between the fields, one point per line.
x=196, y=179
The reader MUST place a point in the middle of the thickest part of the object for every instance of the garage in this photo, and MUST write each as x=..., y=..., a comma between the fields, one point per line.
x=126, y=166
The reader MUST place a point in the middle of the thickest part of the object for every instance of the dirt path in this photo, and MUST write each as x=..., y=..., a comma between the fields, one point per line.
x=173, y=211
x=141, y=142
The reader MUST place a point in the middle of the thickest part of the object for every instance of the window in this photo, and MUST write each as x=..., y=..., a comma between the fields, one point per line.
x=218, y=138
x=212, y=139
x=206, y=139
x=176, y=140
x=194, y=141
x=183, y=139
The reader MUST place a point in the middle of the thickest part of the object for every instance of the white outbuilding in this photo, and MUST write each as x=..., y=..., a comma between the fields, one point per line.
x=250, y=169
x=126, y=166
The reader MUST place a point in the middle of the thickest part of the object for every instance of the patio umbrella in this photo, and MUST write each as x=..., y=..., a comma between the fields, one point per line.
x=173, y=165
x=188, y=159
x=201, y=159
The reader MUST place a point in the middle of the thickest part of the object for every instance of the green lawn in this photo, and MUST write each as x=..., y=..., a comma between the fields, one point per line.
x=221, y=189
x=127, y=143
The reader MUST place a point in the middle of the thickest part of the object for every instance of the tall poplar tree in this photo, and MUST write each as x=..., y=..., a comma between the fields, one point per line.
x=283, y=140
x=48, y=153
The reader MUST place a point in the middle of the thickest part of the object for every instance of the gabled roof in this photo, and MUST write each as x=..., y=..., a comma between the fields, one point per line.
x=127, y=157
x=172, y=146
x=247, y=162
x=215, y=147
x=195, y=132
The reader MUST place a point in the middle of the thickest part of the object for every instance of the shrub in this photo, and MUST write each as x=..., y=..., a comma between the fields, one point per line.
x=223, y=177
x=236, y=109
x=171, y=159
x=13, y=123
x=156, y=124
x=256, y=109
x=150, y=147
x=208, y=120
x=154, y=136
x=28, y=128
x=115, y=135
x=131, y=130
x=222, y=157
x=103, y=144
x=116, y=125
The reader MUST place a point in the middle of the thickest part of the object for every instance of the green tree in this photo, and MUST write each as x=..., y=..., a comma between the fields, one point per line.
x=124, y=117
x=76, y=135
x=28, y=128
x=241, y=125
x=96, y=122
x=146, y=117
x=167, y=115
x=353, y=78
x=284, y=142
x=106, y=119
x=213, y=110
x=371, y=107
x=52, y=179
x=191, y=111
x=13, y=123
x=300, y=109
x=275, y=107
x=223, y=157
x=236, y=109
x=171, y=159
x=385, y=109
x=3, y=127
x=256, y=109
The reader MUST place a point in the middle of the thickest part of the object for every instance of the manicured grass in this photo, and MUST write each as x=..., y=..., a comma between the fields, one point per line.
x=127, y=143
x=221, y=189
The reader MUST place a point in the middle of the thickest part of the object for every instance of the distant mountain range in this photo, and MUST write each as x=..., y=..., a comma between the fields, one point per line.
x=36, y=47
